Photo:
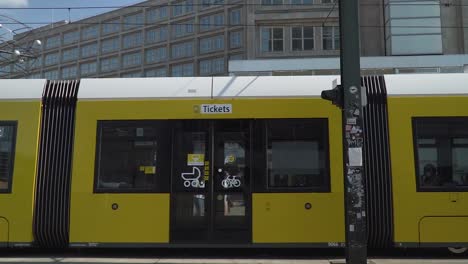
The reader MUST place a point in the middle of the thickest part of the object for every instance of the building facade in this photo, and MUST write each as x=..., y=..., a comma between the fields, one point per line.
x=188, y=38
x=200, y=37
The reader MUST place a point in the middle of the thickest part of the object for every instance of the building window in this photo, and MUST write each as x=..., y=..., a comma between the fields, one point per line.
x=109, y=64
x=182, y=8
x=160, y=72
x=272, y=2
x=111, y=26
x=302, y=38
x=132, y=40
x=212, y=44
x=156, y=55
x=69, y=72
x=90, y=32
x=331, y=38
x=69, y=54
x=297, y=154
x=110, y=45
x=235, y=17
x=51, y=75
x=51, y=59
x=272, y=39
x=182, y=70
x=133, y=21
x=211, y=3
x=211, y=22
x=212, y=66
x=156, y=14
x=441, y=150
x=302, y=2
x=183, y=29
x=89, y=50
x=156, y=35
x=88, y=68
x=36, y=75
x=132, y=156
x=52, y=42
x=131, y=60
x=328, y=1
x=182, y=50
x=131, y=75
x=236, y=57
x=71, y=37
x=235, y=39
x=5, y=69
x=7, y=153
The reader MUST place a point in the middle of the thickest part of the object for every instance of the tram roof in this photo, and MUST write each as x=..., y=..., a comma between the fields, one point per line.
x=262, y=86
x=30, y=90
x=235, y=86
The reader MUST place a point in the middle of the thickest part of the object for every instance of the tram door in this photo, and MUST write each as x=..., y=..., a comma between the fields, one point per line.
x=210, y=199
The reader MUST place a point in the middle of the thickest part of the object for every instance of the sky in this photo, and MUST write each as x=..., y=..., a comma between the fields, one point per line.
x=53, y=15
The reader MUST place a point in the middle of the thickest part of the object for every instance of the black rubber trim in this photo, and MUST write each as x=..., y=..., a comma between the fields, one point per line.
x=377, y=168
x=51, y=214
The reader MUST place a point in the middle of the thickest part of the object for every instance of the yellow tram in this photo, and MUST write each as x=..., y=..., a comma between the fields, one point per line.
x=228, y=162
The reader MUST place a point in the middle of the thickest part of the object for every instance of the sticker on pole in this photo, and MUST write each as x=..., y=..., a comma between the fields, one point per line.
x=355, y=156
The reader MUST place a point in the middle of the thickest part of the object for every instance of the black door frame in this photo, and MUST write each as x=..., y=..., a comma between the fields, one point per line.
x=210, y=191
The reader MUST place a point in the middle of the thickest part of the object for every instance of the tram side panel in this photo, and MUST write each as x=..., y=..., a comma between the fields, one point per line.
x=108, y=210
x=286, y=210
x=429, y=150
x=19, y=131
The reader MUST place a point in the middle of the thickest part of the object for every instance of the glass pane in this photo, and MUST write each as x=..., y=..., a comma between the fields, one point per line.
x=296, y=154
x=232, y=154
x=442, y=152
x=297, y=32
x=277, y=33
x=189, y=209
x=308, y=44
x=230, y=205
x=278, y=45
x=308, y=32
x=128, y=157
x=7, y=134
x=192, y=165
x=297, y=44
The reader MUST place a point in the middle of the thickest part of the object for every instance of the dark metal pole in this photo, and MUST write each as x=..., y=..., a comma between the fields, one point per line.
x=354, y=97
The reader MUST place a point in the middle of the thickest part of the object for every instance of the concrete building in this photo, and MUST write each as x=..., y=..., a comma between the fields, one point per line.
x=201, y=37
x=191, y=38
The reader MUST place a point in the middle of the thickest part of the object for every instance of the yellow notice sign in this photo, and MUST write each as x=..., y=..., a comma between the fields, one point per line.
x=195, y=159
x=148, y=169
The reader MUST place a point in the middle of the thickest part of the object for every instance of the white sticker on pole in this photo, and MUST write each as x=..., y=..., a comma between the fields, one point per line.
x=355, y=156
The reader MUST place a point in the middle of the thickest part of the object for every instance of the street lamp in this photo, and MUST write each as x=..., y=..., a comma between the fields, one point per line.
x=13, y=52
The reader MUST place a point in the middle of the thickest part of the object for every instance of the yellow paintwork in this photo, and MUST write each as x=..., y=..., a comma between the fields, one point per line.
x=3, y=230
x=139, y=218
x=444, y=229
x=145, y=217
x=282, y=217
x=17, y=207
x=411, y=206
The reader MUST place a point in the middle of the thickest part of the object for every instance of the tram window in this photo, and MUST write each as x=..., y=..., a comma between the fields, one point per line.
x=7, y=144
x=441, y=149
x=132, y=156
x=297, y=154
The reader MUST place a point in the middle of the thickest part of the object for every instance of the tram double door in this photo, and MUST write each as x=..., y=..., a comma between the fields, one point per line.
x=210, y=187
